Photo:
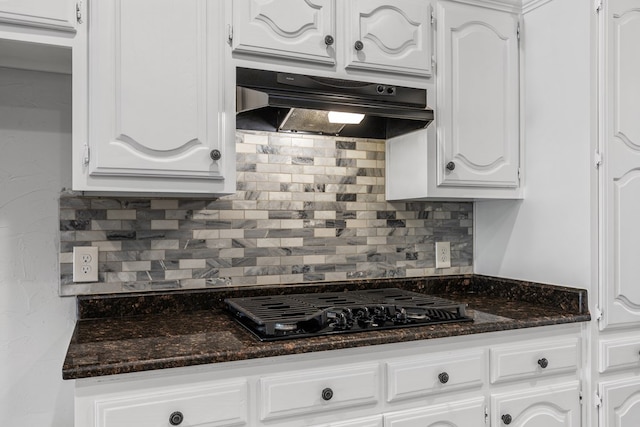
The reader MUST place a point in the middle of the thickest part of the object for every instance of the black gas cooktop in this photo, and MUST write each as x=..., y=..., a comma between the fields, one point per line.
x=277, y=317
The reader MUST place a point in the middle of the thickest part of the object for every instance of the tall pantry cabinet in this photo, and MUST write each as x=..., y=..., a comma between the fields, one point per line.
x=618, y=394
x=578, y=224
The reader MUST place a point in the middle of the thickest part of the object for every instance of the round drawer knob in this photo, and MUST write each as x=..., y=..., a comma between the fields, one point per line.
x=358, y=45
x=543, y=363
x=176, y=418
x=327, y=394
x=215, y=154
x=506, y=418
x=443, y=377
x=451, y=166
x=328, y=40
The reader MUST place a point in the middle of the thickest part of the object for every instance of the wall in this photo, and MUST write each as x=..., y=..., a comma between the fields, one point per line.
x=35, y=323
x=307, y=209
x=548, y=236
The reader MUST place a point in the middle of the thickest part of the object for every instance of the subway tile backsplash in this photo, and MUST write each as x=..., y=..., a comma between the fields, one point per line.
x=307, y=209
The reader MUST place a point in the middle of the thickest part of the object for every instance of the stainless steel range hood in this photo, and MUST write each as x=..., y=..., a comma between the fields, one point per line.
x=273, y=101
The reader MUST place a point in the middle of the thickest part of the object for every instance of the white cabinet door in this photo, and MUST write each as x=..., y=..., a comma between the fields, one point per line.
x=478, y=96
x=468, y=413
x=54, y=14
x=553, y=406
x=621, y=167
x=389, y=36
x=302, y=30
x=157, y=100
x=620, y=403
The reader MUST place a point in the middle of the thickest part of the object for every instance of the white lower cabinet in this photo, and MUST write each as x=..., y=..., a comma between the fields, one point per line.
x=320, y=390
x=483, y=380
x=468, y=413
x=620, y=402
x=212, y=405
x=547, y=406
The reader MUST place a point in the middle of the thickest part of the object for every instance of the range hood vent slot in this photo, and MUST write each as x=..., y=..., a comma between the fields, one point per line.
x=285, y=102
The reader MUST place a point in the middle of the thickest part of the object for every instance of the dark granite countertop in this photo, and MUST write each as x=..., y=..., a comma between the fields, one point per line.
x=138, y=332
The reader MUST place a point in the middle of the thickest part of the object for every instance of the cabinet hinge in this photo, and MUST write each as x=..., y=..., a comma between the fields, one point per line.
x=597, y=159
x=518, y=31
x=86, y=155
x=433, y=18
x=519, y=174
x=230, y=33
x=433, y=64
x=598, y=313
x=580, y=398
x=598, y=5
x=79, y=12
x=597, y=399
x=486, y=414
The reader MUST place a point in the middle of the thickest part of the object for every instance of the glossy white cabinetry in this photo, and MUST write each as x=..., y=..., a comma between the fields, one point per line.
x=621, y=165
x=291, y=29
x=321, y=390
x=371, y=35
x=469, y=413
x=214, y=404
x=395, y=385
x=478, y=96
x=475, y=149
x=157, y=102
x=550, y=406
x=620, y=405
x=51, y=14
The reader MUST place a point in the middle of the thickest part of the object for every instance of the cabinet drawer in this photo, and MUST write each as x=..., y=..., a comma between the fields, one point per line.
x=468, y=413
x=211, y=406
x=318, y=390
x=533, y=359
x=419, y=376
x=619, y=353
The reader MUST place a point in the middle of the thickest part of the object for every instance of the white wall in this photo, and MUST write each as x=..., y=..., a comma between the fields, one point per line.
x=547, y=237
x=35, y=323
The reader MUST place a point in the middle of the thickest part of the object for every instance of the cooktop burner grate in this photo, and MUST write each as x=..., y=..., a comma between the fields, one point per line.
x=302, y=315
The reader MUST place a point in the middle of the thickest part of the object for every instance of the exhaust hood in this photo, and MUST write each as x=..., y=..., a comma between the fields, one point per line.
x=285, y=102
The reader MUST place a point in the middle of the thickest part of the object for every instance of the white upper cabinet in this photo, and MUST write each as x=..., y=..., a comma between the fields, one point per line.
x=389, y=36
x=473, y=148
x=478, y=96
x=294, y=29
x=621, y=165
x=53, y=14
x=157, y=99
x=372, y=35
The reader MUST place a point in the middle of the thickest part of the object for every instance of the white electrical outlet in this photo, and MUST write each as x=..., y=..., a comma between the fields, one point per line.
x=85, y=264
x=443, y=254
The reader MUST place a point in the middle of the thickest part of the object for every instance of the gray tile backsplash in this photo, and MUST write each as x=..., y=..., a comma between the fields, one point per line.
x=307, y=209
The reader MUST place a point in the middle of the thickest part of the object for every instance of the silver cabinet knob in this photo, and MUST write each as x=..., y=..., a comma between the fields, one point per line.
x=543, y=363
x=506, y=418
x=451, y=166
x=215, y=154
x=358, y=45
x=443, y=377
x=328, y=40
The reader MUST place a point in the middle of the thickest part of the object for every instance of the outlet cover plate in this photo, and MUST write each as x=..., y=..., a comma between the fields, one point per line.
x=85, y=264
x=443, y=254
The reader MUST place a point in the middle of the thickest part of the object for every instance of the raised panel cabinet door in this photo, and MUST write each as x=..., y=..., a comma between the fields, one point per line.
x=621, y=166
x=467, y=413
x=54, y=14
x=295, y=29
x=552, y=406
x=478, y=96
x=389, y=36
x=620, y=403
x=156, y=90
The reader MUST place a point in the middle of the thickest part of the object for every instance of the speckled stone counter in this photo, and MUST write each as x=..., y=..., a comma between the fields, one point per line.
x=132, y=333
